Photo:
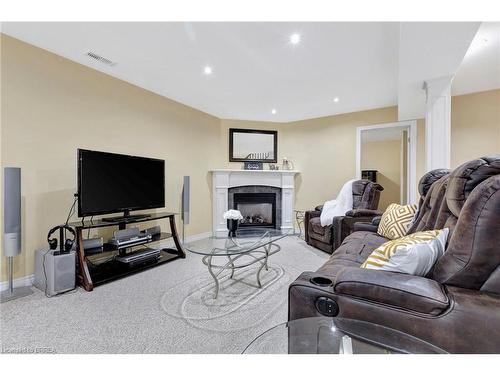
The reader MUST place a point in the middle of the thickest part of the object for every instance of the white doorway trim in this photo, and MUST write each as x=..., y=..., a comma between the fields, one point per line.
x=412, y=157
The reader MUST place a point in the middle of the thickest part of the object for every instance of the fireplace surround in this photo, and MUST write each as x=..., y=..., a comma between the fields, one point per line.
x=259, y=205
x=227, y=182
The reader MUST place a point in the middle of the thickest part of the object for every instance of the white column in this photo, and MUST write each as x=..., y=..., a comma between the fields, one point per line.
x=287, y=200
x=219, y=201
x=438, y=123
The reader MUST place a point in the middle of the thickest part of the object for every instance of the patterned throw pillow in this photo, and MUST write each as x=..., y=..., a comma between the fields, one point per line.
x=414, y=254
x=395, y=220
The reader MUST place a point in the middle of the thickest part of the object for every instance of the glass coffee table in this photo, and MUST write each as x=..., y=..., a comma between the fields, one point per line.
x=336, y=336
x=250, y=246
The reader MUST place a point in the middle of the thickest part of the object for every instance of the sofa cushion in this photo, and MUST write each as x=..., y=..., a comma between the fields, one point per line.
x=396, y=220
x=352, y=253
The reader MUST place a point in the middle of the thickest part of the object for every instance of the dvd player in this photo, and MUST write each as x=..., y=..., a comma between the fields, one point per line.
x=140, y=256
x=131, y=241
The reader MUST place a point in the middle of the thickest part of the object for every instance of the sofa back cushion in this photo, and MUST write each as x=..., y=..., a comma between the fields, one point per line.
x=473, y=254
x=365, y=194
x=430, y=208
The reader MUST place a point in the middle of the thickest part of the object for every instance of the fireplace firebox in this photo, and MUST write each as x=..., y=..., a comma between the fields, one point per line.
x=257, y=209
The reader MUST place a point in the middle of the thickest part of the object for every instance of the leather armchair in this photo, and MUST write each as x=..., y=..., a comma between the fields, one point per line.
x=366, y=196
x=456, y=305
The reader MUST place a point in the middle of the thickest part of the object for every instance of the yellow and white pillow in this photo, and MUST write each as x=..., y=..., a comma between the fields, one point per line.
x=414, y=254
x=395, y=220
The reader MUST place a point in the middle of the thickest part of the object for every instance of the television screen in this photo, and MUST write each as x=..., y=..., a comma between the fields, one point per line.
x=110, y=183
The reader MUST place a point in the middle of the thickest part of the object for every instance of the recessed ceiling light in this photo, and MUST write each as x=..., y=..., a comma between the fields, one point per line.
x=207, y=70
x=273, y=111
x=295, y=38
x=336, y=99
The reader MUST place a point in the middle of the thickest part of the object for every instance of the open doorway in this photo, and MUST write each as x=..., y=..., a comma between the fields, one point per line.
x=386, y=153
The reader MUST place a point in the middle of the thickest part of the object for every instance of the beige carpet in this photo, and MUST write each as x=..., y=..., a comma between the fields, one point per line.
x=168, y=309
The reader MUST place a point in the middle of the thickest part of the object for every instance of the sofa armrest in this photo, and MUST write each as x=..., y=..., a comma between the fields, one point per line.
x=365, y=227
x=402, y=291
x=310, y=214
x=358, y=212
x=368, y=227
x=307, y=217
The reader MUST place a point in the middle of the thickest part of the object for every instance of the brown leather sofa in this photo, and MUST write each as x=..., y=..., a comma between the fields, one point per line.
x=457, y=305
x=366, y=196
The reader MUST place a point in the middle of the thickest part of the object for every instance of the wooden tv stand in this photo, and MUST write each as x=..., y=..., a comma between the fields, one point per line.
x=98, y=266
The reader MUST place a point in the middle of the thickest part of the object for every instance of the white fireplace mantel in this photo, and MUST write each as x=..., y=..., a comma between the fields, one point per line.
x=223, y=179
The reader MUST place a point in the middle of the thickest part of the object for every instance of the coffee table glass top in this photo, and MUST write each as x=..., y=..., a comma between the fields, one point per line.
x=246, y=240
x=336, y=336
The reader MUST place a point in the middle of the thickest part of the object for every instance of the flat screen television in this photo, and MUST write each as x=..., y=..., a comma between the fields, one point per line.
x=110, y=183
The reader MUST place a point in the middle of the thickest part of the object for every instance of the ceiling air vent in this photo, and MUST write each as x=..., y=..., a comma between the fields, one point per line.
x=101, y=59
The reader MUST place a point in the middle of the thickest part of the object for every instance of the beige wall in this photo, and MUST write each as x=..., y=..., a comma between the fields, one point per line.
x=385, y=157
x=51, y=106
x=323, y=150
x=475, y=126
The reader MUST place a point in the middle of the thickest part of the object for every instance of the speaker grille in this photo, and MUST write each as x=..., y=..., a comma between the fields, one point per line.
x=12, y=200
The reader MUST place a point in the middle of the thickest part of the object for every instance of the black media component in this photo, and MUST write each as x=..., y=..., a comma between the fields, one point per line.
x=109, y=183
x=369, y=174
x=327, y=306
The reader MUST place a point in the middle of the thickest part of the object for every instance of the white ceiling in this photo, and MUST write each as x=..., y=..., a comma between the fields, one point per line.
x=255, y=67
x=428, y=50
x=480, y=69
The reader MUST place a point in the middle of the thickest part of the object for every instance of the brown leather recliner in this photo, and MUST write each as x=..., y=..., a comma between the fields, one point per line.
x=366, y=195
x=457, y=305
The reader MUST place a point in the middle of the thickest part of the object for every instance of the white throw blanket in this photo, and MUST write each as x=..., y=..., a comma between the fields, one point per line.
x=338, y=206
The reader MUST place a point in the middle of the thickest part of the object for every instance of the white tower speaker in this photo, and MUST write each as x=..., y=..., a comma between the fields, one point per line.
x=12, y=229
x=185, y=204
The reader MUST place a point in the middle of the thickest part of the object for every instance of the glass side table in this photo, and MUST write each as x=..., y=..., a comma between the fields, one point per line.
x=322, y=335
x=300, y=216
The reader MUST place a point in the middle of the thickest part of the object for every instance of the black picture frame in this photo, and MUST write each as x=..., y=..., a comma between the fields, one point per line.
x=274, y=133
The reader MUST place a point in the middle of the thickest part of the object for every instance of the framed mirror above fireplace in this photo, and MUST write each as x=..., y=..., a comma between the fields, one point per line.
x=253, y=145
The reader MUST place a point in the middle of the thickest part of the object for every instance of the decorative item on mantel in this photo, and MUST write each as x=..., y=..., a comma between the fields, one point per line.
x=253, y=165
x=287, y=164
x=233, y=218
x=274, y=167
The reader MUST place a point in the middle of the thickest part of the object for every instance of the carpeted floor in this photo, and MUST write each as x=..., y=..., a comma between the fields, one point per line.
x=168, y=309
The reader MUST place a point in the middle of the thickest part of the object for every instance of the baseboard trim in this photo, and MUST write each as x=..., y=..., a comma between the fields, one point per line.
x=19, y=282
x=30, y=279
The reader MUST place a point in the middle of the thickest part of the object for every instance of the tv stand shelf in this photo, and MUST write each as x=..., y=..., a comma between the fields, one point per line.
x=159, y=237
x=100, y=267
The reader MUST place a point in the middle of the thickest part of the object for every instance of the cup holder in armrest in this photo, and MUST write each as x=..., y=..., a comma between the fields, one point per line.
x=321, y=281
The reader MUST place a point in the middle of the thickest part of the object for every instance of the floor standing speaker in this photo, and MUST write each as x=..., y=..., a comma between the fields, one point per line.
x=12, y=229
x=185, y=204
